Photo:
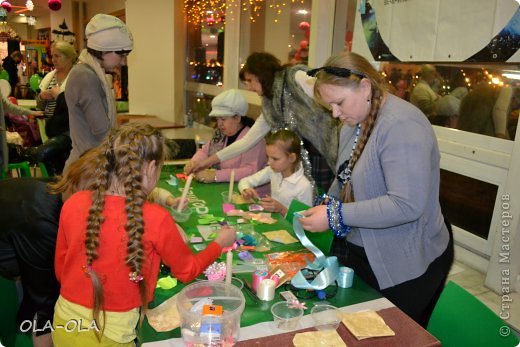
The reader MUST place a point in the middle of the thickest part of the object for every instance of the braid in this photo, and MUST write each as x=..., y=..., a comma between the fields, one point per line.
x=347, y=194
x=94, y=222
x=130, y=165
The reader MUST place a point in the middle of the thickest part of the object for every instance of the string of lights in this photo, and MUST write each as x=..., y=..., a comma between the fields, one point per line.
x=209, y=12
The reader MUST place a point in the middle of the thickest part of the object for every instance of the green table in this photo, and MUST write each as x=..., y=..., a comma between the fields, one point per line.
x=206, y=198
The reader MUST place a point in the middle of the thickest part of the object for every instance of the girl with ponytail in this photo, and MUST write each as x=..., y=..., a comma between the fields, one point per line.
x=111, y=242
x=384, y=203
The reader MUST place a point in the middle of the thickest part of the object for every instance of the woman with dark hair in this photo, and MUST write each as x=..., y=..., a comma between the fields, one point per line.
x=92, y=107
x=287, y=102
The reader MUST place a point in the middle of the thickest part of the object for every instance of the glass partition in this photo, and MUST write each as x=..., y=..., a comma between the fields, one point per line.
x=280, y=28
x=483, y=99
x=198, y=106
x=205, y=46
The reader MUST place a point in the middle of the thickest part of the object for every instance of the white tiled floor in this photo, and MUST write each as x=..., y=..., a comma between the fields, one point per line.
x=473, y=282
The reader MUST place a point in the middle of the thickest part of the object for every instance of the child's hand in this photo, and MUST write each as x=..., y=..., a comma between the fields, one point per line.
x=226, y=236
x=271, y=205
x=250, y=193
x=174, y=202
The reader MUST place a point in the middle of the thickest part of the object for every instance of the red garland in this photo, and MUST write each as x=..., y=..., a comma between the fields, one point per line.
x=54, y=5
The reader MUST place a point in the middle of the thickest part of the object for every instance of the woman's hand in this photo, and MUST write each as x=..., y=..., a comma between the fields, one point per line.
x=48, y=94
x=206, y=176
x=189, y=167
x=196, y=166
x=226, y=236
x=271, y=205
x=316, y=219
x=250, y=193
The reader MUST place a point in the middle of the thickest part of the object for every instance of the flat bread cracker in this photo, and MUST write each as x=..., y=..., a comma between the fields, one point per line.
x=322, y=338
x=366, y=324
x=165, y=317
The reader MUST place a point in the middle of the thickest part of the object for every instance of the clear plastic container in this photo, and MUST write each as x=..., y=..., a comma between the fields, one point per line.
x=326, y=317
x=182, y=216
x=210, y=330
x=285, y=316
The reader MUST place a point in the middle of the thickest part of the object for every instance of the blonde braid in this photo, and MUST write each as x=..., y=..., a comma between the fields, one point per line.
x=94, y=222
x=136, y=146
x=131, y=164
x=347, y=193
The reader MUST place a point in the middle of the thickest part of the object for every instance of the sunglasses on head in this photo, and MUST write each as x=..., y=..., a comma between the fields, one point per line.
x=122, y=53
x=336, y=71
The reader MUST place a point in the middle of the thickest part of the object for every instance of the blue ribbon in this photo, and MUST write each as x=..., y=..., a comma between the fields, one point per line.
x=328, y=266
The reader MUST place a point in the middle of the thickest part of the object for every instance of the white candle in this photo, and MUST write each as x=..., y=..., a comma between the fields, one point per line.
x=231, y=183
x=185, y=193
x=229, y=266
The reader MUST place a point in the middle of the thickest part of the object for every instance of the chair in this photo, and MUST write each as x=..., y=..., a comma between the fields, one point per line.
x=321, y=240
x=460, y=319
x=23, y=170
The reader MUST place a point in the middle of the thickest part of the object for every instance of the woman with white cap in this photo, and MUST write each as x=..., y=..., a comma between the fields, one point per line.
x=229, y=108
x=92, y=109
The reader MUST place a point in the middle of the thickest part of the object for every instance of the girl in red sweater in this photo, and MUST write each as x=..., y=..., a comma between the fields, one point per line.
x=111, y=242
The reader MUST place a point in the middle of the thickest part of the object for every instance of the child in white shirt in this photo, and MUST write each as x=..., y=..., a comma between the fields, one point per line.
x=284, y=171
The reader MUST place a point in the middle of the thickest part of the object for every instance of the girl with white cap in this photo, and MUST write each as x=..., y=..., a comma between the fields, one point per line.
x=92, y=110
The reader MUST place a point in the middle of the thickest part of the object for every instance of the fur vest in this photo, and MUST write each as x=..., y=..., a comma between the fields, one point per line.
x=292, y=109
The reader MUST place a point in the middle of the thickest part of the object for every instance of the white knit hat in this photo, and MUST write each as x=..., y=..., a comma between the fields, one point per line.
x=108, y=33
x=229, y=103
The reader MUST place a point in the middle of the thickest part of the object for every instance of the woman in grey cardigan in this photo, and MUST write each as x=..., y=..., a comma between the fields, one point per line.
x=385, y=198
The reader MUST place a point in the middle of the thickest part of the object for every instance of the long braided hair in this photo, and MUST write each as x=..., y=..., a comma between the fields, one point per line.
x=120, y=163
x=359, y=69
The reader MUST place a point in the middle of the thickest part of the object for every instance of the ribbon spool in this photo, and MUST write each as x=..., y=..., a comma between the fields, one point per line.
x=265, y=290
x=345, y=277
x=258, y=276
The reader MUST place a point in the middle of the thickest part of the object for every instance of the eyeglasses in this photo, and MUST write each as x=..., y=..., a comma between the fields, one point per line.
x=122, y=53
x=336, y=71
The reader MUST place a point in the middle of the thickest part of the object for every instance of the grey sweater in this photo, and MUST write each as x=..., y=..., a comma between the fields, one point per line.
x=88, y=110
x=396, y=215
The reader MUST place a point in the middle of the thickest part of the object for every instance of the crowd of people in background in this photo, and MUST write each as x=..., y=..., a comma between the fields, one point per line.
x=464, y=99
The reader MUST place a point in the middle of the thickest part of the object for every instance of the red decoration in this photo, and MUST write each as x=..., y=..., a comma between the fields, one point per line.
x=13, y=100
x=304, y=25
x=54, y=5
x=7, y=6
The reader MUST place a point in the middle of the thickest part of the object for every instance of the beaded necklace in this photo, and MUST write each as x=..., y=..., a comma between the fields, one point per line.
x=345, y=170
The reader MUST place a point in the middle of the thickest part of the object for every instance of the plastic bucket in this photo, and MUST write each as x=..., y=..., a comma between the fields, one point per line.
x=210, y=330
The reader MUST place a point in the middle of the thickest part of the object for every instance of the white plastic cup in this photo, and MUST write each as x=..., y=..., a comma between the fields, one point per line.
x=286, y=317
